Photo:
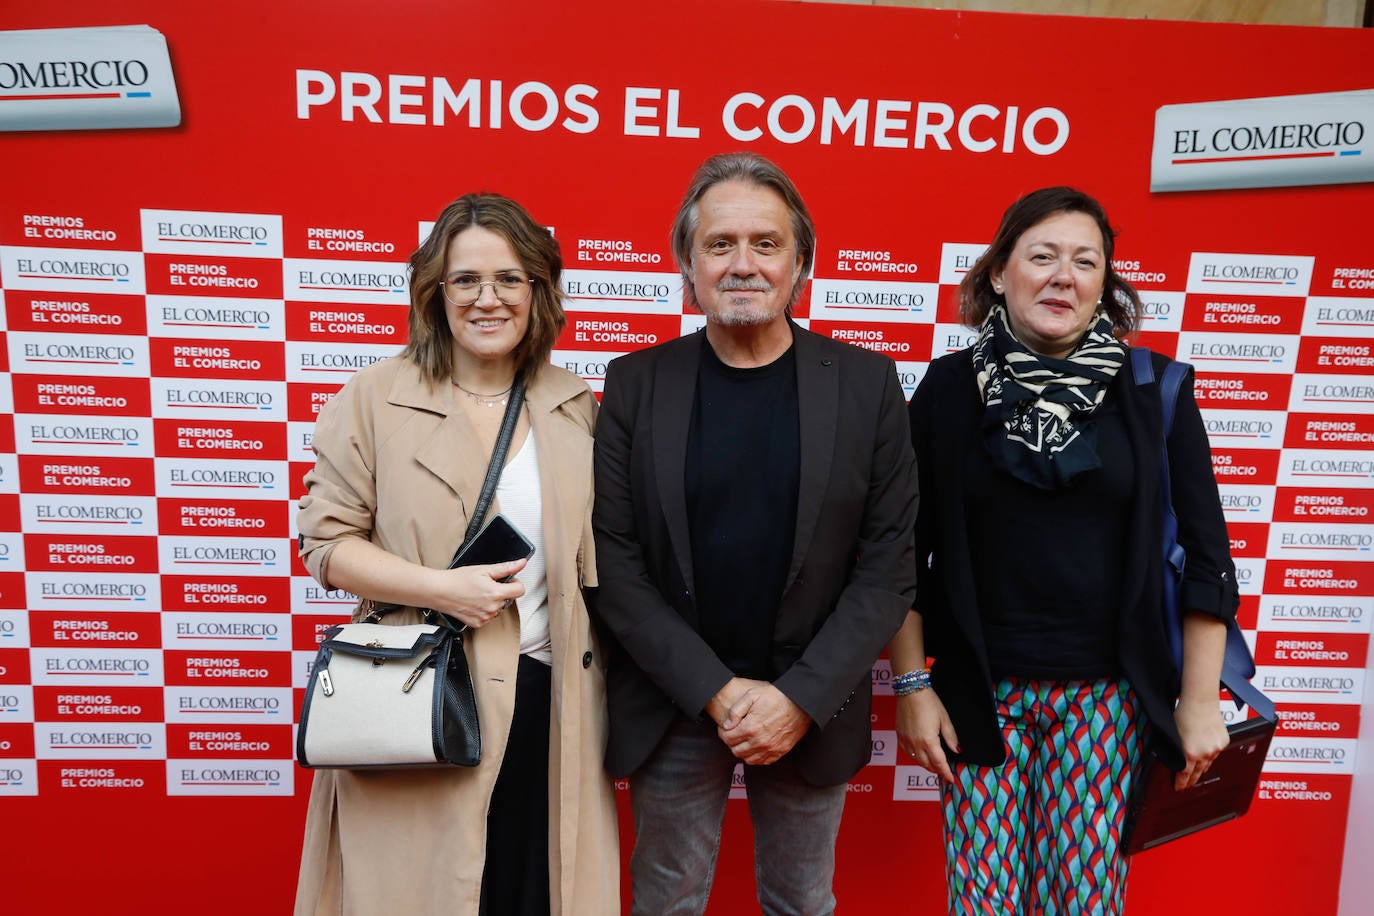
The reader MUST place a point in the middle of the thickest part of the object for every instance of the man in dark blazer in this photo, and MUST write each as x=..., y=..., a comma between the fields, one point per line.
x=755, y=502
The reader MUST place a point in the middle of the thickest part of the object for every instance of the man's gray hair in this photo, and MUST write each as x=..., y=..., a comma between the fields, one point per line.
x=751, y=169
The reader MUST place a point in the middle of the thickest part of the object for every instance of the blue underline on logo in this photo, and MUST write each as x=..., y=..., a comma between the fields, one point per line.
x=1350, y=152
x=138, y=95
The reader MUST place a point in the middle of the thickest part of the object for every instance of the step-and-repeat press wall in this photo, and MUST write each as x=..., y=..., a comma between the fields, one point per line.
x=205, y=216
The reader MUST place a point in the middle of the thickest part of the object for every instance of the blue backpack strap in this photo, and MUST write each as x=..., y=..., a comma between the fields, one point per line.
x=1174, y=555
x=1168, y=392
x=1144, y=371
x=1238, y=665
x=1169, y=386
x=1140, y=365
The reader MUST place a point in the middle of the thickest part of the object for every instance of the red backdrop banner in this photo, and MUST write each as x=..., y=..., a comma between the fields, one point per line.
x=205, y=218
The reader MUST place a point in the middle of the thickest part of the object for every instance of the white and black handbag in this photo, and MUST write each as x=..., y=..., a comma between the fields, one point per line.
x=386, y=696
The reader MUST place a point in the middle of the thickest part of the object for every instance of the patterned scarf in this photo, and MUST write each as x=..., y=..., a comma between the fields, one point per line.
x=1035, y=405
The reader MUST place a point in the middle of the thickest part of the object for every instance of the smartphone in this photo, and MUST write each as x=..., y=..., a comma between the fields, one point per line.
x=498, y=542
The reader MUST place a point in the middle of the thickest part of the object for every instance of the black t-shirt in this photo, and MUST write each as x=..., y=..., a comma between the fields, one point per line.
x=1048, y=563
x=743, y=471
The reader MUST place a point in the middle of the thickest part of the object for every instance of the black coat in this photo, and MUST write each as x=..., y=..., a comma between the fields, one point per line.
x=852, y=575
x=946, y=413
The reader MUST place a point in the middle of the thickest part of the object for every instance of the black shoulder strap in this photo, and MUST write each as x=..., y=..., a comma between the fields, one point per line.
x=498, y=462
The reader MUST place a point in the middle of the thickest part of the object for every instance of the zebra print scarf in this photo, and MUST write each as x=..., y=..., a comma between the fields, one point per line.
x=1033, y=425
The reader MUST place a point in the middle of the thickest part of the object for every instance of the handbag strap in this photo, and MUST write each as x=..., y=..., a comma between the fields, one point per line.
x=514, y=403
x=497, y=464
x=1237, y=665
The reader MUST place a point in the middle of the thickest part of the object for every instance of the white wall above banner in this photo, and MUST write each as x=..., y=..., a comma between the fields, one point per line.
x=191, y=268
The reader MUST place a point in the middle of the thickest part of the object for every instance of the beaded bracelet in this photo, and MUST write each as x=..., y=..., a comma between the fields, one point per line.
x=911, y=682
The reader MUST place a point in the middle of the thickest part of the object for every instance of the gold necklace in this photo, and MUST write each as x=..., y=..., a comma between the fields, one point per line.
x=486, y=400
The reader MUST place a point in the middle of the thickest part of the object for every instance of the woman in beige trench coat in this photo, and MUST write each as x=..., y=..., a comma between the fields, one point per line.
x=401, y=453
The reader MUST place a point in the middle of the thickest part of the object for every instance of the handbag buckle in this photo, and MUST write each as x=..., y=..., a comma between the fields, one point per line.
x=326, y=683
x=415, y=675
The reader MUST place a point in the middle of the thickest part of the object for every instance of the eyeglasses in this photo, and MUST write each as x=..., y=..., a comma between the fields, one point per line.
x=464, y=289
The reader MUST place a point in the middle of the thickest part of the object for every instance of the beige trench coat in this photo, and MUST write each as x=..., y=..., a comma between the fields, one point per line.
x=396, y=462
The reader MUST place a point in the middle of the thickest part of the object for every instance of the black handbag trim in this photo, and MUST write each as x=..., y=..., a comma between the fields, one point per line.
x=423, y=642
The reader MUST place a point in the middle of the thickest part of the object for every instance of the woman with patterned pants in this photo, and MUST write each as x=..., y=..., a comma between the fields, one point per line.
x=1039, y=460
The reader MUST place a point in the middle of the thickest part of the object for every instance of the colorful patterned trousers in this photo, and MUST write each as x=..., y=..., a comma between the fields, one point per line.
x=1040, y=835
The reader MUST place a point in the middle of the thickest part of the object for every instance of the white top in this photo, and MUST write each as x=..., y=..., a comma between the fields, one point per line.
x=522, y=504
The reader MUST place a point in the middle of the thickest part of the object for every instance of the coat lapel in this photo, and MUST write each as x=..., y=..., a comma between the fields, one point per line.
x=675, y=390
x=818, y=394
x=565, y=454
x=451, y=452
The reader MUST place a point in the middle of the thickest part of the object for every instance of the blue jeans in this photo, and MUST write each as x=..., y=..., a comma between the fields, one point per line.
x=678, y=797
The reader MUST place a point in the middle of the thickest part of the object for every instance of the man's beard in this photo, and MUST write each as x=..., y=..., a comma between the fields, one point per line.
x=733, y=316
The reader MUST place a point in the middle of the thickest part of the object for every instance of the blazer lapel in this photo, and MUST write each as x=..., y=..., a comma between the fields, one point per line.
x=818, y=394
x=675, y=391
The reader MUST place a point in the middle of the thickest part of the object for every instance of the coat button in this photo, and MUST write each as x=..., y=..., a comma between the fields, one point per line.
x=586, y=659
